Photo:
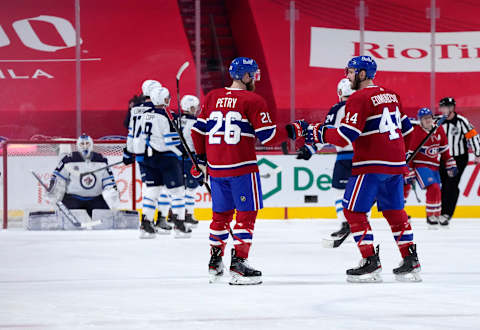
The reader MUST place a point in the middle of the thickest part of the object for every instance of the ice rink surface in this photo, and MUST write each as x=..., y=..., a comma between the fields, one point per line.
x=113, y=280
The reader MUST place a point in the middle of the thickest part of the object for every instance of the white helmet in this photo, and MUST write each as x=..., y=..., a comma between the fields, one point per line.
x=160, y=96
x=189, y=104
x=84, y=145
x=344, y=88
x=148, y=85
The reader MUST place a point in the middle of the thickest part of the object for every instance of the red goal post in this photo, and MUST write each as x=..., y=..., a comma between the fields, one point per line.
x=20, y=190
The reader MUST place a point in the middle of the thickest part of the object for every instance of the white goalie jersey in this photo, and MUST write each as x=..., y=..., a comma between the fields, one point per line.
x=66, y=177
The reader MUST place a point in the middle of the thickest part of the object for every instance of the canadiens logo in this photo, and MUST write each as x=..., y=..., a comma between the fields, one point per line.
x=88, y=181
x=432, y=151
x=243, y=198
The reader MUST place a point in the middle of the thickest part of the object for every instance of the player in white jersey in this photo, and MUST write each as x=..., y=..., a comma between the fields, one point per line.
x=91, y=191
x=162, y=165
x=136, y=146
x=190, y=105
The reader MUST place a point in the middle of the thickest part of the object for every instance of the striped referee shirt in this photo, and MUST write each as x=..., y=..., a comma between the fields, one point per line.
x=459, y=131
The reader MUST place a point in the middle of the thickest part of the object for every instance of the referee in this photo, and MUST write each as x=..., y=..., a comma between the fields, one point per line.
x=459, y=131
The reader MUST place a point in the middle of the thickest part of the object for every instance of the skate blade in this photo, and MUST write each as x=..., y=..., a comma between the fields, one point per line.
x=179, y=234
x=145, y=235
x=214, y=277
x=366, y=278
x=447, y=226
x=238, y=279
x=409, y=277
x=412, y=276
x=192, y=225
x=163, y=231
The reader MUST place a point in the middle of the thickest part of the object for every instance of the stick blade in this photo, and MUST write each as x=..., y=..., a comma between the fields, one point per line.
x=182, y=68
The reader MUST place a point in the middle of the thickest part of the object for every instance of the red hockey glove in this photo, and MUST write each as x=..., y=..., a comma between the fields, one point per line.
x=451, y=167
x=297, y=129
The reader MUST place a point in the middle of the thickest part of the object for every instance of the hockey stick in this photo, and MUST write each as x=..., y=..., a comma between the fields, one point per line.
x=334, y=243
x=414, y=188
x=432, y=131
x=64, y=210
x=178, y=76
x=101, y=168
x=187, y=149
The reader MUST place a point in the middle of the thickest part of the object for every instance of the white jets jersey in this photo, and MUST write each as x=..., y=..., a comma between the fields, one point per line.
x=187, y=123
x=159, y=135
x=90, y=185
x=136, y=143
x=334, y=118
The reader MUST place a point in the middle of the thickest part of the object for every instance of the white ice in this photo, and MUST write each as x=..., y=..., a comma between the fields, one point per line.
x=112, y=279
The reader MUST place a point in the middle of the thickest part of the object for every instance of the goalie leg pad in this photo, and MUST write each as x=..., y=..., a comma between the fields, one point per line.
x=42, y=220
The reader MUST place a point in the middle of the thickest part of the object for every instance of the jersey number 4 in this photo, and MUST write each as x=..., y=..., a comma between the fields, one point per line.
x=387, y=124
x=231, y=133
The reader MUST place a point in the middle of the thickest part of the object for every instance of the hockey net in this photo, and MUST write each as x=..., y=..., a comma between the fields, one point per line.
x=20, y=190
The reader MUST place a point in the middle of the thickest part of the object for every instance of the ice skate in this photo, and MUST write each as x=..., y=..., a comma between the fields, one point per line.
x=444, y=221
x=181, y=231
x=409, y=268
x=146, y=228
x=190, y=220
x=162, y=227
x=215, y=265
x=345, y=229
x=368, y=271
x=242, y=273
x=432, y=222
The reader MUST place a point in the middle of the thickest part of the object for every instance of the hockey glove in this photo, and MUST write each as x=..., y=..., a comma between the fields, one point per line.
x=297, y=129
x=306, y=151
x=128, y=157
x=409, y=177
x=202, y=164
x=316, y=134
x=451, y=167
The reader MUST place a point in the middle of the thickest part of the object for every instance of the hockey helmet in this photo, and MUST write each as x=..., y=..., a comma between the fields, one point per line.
x=423, y=112
x=360, y=63
x=85, y=145
x=344, y=88
x=149, y=85
x=160, y=96
x=190, y=104
x=242, y=65
x=447, y=101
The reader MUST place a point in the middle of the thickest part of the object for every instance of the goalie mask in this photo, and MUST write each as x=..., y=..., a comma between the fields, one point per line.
x=190, y=104
x=85, y=145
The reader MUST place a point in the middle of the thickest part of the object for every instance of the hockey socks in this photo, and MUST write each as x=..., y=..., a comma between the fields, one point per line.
x=401, y=229
x=361, y=231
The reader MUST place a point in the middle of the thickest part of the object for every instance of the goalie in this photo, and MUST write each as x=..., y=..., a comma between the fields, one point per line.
x=90, y=191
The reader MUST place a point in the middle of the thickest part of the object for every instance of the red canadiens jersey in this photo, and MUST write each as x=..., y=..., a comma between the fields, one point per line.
x=433, y=150
x=375, y=125
x=227, y=128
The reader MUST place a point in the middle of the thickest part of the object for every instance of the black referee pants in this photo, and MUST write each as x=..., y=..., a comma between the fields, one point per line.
x=450, y=191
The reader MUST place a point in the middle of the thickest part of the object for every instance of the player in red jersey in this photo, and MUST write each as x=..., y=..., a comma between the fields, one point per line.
x=231, y=120
x=427, y=162
x=374, y=124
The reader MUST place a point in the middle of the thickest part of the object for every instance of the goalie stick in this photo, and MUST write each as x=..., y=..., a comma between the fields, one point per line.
x=101, y=168
x=64, y=210
x=334, y=243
